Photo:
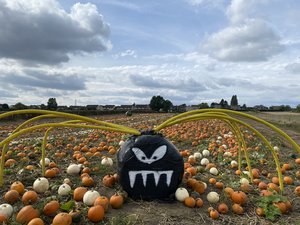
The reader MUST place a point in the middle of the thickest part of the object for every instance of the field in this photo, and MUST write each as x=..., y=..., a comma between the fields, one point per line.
x=88, y=147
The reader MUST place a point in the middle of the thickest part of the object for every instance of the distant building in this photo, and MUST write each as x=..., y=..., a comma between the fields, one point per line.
x=77, y=107
x=141, y=107
x=215, y=105
x=261, y=107
x=91, y=107
x=62, y=108
x=192, y=107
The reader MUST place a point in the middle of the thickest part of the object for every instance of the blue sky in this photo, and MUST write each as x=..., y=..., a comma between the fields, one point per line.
x=121, y=52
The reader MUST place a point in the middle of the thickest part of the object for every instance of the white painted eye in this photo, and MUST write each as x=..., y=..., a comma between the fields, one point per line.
x=139, y=154
x=159, y=153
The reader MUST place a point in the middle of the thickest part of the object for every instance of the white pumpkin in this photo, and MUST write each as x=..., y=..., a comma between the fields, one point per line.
x=213, y=197
x=67, y=181
x=64, y=189
x=41, y=185
x=6, y=210
x=181, y=194
x=227, y=154
x=205, y=153
x=106, y=161
x=204, y=161
x=205, y=185
x=47, y=161
x=73, y=169
x=90, y=197
x=214, y=171
x=121, y=143
x=197, y=155
x=246, y=172
x=234, y=164
x=224, y=146
x=244, y=181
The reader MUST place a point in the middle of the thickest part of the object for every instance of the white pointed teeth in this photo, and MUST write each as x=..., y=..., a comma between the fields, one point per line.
x=145, y=173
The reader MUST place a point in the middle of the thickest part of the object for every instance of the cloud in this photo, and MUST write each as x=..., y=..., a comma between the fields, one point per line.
x=293, y=68
x=42, y=79
x=6, y=94
x=186, y=85
x=247, y=38
x=127, y=53
x=42, y=32
x=239, y=10
x=252, y=41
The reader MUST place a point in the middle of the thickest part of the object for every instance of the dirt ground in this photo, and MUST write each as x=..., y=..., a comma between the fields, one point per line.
x=175, y=213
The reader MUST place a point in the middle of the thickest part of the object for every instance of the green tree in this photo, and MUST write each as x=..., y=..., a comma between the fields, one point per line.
x=298, y=108
x=157, y=103
x=5, y=107
x=234, y=101
x=52, y=105
x=167, y=105
x=19, y=106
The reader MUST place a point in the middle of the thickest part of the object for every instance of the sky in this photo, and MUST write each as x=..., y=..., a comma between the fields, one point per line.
x=125, y=52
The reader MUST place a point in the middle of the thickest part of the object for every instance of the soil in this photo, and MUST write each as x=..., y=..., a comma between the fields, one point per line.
x=160, y=212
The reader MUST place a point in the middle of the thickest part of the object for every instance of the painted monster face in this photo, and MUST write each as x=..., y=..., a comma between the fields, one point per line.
x=149, y=167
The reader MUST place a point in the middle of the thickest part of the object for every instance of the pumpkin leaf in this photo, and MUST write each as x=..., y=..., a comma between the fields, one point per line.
x=68, y=205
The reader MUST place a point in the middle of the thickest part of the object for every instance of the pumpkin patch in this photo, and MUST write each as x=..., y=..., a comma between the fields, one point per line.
x=69, y=172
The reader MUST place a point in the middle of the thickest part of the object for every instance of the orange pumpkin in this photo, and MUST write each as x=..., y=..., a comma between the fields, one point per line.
x=297, y=191
x=29, y=197
x=281, y=206
x=51, y=208
x=223, y=208
x=11, y=196
x=79, y=193
x=108, y=180
x=191, y=182
x=214, y=214
x=18, y=186
x=50, y=173
x=103, y=201
x=260, y=211
x=62, y=219
x=116, y=201
x=26, y=214
x=3, y=219
x=36, y=221
x=199, y=202
x=199, y=187
x=239, y=197
x=288, y=180
x=190, y=202
x=87, y=181
x=96, y=213
x=228, y=191
x=237, y=209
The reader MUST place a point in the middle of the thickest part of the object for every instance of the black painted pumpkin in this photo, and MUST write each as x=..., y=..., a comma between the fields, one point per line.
x=149, y=167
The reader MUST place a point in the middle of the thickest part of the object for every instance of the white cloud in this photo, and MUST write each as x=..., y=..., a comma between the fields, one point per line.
x=128, y=52
x=43, y=32
x=253, y=40
x=240, y=10
x=293, y=68
x=248, y=37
